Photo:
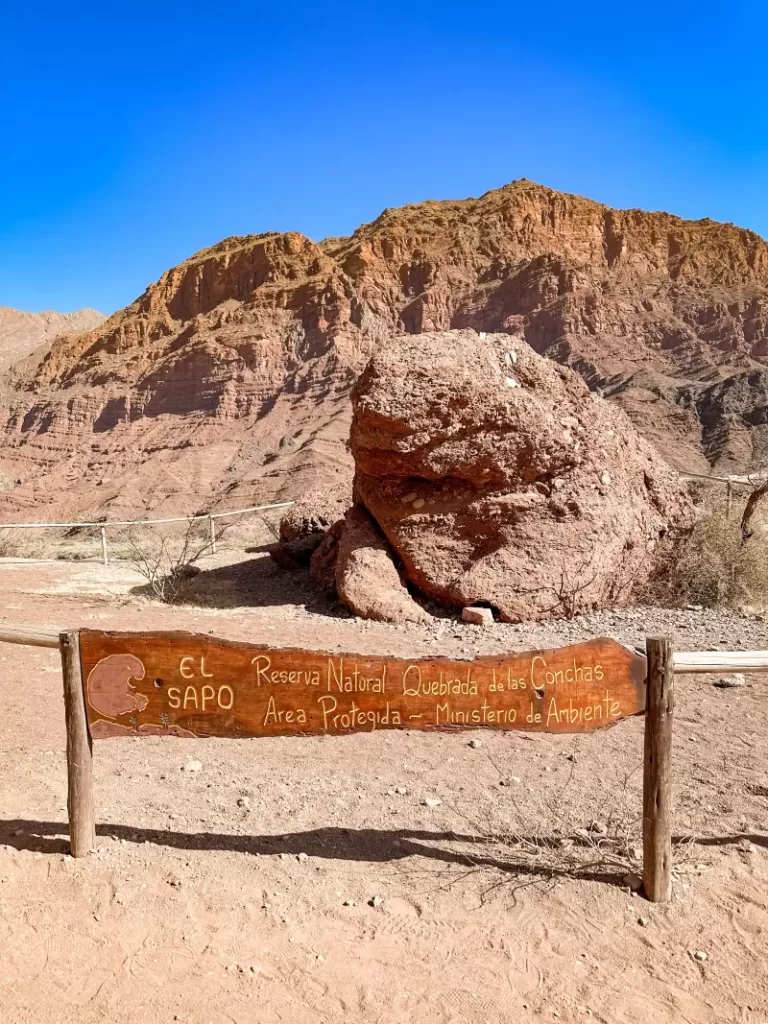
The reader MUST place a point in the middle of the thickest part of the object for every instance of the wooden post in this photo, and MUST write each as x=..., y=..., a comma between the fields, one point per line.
x=104, y=554
x=728, y=499
x=212, y=522
x=657, y=771
x=82, y=829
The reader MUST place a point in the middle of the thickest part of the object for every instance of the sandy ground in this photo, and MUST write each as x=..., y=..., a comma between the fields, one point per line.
x=305, y=880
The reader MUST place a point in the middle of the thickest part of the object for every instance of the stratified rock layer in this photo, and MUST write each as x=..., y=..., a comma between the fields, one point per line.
x=498, y=477
x=229, y=378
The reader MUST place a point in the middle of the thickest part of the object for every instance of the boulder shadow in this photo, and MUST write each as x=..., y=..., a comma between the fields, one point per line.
x=253, y=583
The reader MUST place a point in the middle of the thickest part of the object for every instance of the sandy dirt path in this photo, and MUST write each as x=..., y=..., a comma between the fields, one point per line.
x=305, y=880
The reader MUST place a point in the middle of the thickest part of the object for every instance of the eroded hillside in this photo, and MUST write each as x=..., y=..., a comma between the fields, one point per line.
x=230, y=376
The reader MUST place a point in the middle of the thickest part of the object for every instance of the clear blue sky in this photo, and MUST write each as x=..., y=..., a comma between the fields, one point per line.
x=134, y=133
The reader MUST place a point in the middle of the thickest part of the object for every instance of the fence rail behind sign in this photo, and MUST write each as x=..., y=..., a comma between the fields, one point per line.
x=183, y=684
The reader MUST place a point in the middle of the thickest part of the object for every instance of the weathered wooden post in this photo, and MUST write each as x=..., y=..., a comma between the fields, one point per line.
x=657, y=771
x=104, y=555
x=82, y=828
x=728, y=499
x=212, y=522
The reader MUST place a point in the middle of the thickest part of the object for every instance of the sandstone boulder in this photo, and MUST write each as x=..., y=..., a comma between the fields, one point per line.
x=498, y=478
x=315, y=512
x=367, y=580
x=306, y=523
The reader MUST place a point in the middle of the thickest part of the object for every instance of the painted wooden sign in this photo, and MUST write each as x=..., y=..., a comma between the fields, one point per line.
x=183, y=684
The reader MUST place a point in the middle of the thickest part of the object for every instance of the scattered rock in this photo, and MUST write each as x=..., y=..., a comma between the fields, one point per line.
x=431, y=801
x=375, y=901
x=302, y=858
x=401, y=790
x=729, y=681
x=475, y=744
x=700, y=955
x=348, y=903
x=643, y=922
x=477, y=616
x=192, y=766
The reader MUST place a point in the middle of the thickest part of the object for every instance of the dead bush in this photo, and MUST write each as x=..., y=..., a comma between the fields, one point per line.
x=26, y=544
x=718, y=565
x=167, y=557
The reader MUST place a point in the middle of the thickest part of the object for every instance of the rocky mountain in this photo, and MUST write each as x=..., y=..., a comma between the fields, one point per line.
x=230, y=376
x=21, y=333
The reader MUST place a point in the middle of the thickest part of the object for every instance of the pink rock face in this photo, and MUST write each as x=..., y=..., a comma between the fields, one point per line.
x=498, y=477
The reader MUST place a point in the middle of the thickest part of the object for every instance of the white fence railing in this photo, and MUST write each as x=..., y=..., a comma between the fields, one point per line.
x=103, y=526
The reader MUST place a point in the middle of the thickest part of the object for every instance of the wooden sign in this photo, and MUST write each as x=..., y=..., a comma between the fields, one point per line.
x=183, y=684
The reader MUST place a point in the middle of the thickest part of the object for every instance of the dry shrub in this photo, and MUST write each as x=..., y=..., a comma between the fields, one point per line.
x=568, y=829
x=715, y=566
x=26, y=544
x=166, y=555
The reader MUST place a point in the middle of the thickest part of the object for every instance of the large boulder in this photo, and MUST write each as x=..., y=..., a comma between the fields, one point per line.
x=498, y=477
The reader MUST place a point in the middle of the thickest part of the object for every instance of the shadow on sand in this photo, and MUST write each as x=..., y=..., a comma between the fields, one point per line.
x=254, y=583
x=369, y=845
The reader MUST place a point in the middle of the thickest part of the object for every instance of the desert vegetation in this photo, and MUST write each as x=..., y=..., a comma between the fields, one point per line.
x=724, y=561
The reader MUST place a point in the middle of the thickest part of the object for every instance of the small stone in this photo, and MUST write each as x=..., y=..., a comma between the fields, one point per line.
x=730, y=681
x=747, y=847
x=431, y=801
x=700, y=955
x=375, y=901
x=633, y=881
x=571, y=757
x=411, y=496
x=348, y=903
x=643, y=922
x=605, y=478
x=302, y=858
x=475, y=744
x=401, y=790
x=513, y=780
x=419, y=503
x=477, y=616
x=244, y=802
x=511, y=382
x=193, y=766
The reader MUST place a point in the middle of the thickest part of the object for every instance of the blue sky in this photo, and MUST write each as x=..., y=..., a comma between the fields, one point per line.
x=133, y=134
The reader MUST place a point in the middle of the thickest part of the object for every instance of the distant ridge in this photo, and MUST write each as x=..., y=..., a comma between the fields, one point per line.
x=21, y=333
